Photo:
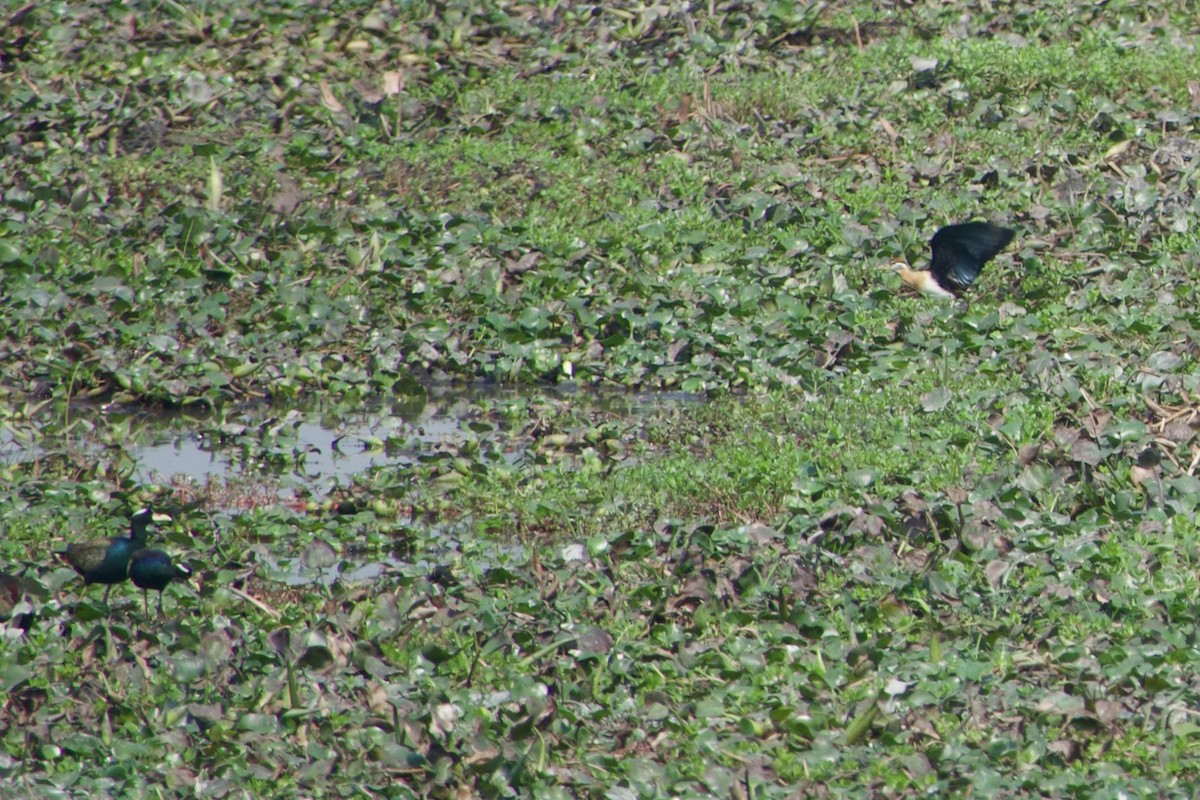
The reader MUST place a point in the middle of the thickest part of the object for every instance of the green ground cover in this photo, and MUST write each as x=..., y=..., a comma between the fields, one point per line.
x=907, y=547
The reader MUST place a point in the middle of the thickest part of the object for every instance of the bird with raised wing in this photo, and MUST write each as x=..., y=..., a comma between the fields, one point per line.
x=957, y=254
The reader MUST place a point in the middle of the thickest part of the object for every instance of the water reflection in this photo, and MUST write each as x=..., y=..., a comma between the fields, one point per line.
x=332, y=449
x=317, y=447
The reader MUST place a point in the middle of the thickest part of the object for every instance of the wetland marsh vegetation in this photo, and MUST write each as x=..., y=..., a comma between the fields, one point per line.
x=905, y=548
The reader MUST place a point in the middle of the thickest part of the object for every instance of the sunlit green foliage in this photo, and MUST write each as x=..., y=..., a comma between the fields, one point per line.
x=907, y=548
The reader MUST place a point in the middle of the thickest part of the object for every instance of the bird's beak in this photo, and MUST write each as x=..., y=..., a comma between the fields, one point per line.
x=160, y=518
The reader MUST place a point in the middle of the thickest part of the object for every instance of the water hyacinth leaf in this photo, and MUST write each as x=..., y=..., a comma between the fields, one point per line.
x=318, y=554
x=1164, y=361
x=1130, y=430
x=709, y=709
x=444, y=718
x=935, y=400
x=280, y=641
x=861, y=478
x=187, y=668
x=15, y=675
x=206, y=713
x=317, y=655
x=594, y=642
x=398, y=757
x=1086, y=451
x=89, y=611
x=9, y=254
x=809, y=486
x=262, y=724
x=573, y=552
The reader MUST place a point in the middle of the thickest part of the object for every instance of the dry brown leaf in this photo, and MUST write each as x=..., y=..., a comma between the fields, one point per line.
x=328, y=99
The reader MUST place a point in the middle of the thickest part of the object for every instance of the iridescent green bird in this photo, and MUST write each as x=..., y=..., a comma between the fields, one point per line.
x=152, y=569
x=108, y=562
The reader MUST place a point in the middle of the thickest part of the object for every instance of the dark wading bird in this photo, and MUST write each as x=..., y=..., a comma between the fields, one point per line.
x=152, y=569
x=108, y=562
x=958, y=253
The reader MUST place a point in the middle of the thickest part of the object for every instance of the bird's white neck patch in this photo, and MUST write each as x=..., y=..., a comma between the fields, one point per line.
x=920, y=279
x=930, y=287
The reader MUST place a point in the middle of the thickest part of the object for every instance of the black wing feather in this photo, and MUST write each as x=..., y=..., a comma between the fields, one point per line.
x=960, y=251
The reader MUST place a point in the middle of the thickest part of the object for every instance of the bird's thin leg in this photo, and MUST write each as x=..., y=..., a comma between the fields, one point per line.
x=145, y=602
x=160, y=611
x=107, y=589
x=108, y=641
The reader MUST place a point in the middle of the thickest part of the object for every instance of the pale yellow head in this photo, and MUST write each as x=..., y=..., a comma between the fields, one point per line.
x=918, y=279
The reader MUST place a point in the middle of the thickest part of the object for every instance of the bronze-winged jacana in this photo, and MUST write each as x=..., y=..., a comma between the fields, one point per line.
x=957, y=254
x=152, y=569
x=107, y=562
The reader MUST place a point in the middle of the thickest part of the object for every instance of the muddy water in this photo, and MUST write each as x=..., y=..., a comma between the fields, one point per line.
x=319, y=448
x=308, y=450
